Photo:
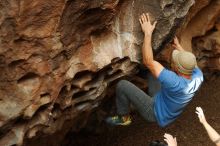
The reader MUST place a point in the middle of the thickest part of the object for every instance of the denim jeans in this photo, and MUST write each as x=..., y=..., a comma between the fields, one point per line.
x=127, y=93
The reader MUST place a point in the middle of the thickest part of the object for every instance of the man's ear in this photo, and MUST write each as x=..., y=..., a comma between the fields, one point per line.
x=175, y=69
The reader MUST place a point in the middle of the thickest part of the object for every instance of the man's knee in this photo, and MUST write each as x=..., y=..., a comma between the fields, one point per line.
x=121, y=85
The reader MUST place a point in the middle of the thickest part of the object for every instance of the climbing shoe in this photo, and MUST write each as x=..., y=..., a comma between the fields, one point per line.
x=119, y=120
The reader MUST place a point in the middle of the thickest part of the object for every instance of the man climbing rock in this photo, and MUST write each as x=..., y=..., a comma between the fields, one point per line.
x=178, y=85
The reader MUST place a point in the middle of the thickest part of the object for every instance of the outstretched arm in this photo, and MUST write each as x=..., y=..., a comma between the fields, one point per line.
x=213, y=135
x=147, y=52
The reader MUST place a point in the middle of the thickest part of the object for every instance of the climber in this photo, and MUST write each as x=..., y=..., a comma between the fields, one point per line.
x=178, y=85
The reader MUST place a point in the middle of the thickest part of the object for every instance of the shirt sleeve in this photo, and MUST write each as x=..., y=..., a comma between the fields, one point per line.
x=168, y=79
x=198, y=73
x=198, y=76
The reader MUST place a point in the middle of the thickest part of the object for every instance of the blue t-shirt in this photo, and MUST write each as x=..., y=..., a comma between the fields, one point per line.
x=176, y=92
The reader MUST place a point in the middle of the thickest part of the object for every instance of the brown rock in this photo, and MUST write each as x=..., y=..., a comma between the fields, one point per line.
x=58, y=57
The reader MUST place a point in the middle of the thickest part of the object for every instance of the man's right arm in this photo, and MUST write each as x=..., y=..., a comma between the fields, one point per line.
x=177, y=45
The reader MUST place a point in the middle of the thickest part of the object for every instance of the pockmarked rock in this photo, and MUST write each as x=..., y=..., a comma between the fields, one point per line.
x=58, y=57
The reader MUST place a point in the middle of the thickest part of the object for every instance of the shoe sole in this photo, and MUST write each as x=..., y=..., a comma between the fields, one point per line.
x=124, y=124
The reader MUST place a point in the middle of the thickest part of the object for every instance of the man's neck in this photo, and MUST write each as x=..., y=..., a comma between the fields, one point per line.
x=185, y=76
x=181, y=74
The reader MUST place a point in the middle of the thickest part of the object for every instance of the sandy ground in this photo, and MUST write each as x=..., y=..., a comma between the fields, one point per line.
x=186, y=128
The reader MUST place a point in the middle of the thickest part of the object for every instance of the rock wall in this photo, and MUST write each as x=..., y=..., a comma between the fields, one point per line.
x=57, y=58
x=199, y=33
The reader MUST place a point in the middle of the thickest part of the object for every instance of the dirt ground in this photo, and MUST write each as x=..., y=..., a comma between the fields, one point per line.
x=186, y=128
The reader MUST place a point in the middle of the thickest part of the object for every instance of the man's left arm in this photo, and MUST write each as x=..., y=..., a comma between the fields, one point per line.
x=147, y=52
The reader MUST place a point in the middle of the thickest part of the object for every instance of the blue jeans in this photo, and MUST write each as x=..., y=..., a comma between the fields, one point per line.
x=127, y=93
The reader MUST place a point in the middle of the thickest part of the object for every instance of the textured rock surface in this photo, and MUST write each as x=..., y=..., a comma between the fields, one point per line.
x=206, y=42
x=200, y=34
x=57, y=58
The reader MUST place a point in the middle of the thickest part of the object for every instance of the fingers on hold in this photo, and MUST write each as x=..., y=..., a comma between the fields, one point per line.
x=141, y=17
x=155, y=23
x=148, y=18
x=140, y=20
